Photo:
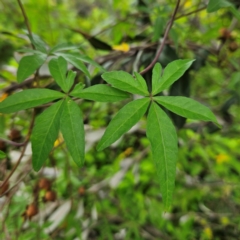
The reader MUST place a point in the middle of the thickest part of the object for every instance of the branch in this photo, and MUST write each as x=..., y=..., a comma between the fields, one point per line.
x=169, y=25
x=26, y=20
x=190, y=13
x=23, y=151
x=12, y=143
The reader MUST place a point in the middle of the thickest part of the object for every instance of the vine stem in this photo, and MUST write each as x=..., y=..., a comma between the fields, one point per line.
x=159, y=51
x=26, y=20
x=22, y=152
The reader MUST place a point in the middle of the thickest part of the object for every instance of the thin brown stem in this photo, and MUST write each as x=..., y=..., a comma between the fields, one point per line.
x=190, y=13
x=25, y=20
x=22, y=152
x=169, y=25
x=16, y=144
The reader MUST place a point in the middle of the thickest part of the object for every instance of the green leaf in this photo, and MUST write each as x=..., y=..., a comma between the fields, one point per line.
x=163, y=138
x=78, y=88
x=76, y=62
x=28, y=98
x=70, y=78
x=123, y=81
x=64, y=47
x=2, y=155
x=156, y=76
x=73, y=130
x=38, y=43
x=142, y=82
x=101, y=93
x=45, y=133
x=214, y=5
x=235, y=12
x=58, y=69
x=126, y=118
x=82, y=58
x=29, y=50
x=28, y=65
x=187, y=107
x=172, y=72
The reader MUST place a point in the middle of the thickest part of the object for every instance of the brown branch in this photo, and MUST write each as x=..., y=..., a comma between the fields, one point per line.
x=22, y=152
x=16, y=144
x=26, y=21
x=169, y=25
x=190, y=13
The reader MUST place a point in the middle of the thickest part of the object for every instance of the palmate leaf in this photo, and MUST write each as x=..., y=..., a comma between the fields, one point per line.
x=101, y=93
x=77, y=88
x=124, y=81
x=142, y=82
x=58, y=69
x=28, y=65
x=172, y=72
x=75, y=61
x=126, y=118
x=38, y=43
x=156, y=76
x=70, y=78
x=28, y=98
x=187, y=107
x=163, y=138
x=44, y=134
x=214, y=5
x=73, y=131
x=64, y=47
x=80, y=57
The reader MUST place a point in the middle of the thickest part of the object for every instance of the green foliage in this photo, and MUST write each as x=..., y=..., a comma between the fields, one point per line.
x=38, y=43
x=28, y=99
x=75, y=59
x=164, y=150
x=76, y=62
x=126, y=118
x=116, y=194
x=215, y=5
x=187, y=108
x=2, y=155
x=45, y=133
x=28, y=65
x=71, y=126
x=58, y=69
x=172, y=72
x=100, y=93
x=125, y=82
x=163, y=138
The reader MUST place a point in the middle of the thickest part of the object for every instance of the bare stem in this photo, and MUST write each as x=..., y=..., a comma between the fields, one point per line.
x=25, y=20
x=22, y=152
x=16, y=144
x=169, y=25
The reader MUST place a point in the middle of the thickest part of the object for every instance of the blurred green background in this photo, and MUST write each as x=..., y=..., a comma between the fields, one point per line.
x=116, y=194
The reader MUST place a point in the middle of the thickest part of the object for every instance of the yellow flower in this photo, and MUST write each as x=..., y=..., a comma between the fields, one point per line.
x=124, y=47
x=221, y=158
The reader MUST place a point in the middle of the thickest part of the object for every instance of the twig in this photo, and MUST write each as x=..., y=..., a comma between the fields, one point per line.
x=190, y=13
x=12, y=143
x=169, y=25
x=22, y=153
x=25, y=18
